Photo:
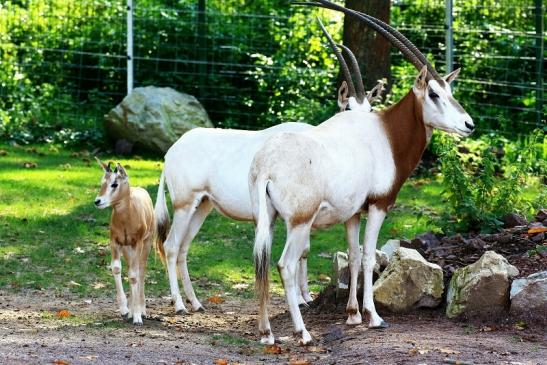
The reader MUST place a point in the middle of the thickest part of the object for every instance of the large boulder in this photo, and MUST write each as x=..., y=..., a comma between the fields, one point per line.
x=482, y=288
x=155, y=117
x=529, y=296
x=409, y=282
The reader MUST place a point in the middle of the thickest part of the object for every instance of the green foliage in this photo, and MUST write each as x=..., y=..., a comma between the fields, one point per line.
x=482, y=182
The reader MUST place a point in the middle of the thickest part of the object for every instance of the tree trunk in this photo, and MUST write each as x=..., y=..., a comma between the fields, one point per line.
x=371, y=49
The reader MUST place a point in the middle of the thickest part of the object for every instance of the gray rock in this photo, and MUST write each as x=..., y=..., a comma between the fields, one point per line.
x=390, y=247
x=513, y=220
x=529, y=295
x=342, y=275
x=426, y=241
x=409, y=282
x=155, y=117
x=482, y=288
x=541, y=215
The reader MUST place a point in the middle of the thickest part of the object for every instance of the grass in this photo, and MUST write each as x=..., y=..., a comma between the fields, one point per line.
x=52, y=237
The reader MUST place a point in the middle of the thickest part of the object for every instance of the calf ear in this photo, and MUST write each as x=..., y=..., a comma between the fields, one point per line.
x=421, y=79
x=121, y=171
x=452, y=76
x=103, y=166
x=343, y=96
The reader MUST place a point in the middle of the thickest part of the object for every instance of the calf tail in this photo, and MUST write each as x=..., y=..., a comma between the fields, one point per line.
x=162, y=218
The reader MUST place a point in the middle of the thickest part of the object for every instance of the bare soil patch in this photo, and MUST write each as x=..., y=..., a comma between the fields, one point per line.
x=31, y=332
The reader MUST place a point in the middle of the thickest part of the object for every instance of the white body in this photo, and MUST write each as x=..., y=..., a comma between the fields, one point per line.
x=209, y=168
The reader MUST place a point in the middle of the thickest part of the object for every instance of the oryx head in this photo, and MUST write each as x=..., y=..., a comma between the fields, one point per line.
x=114, y=185
x=440, y=109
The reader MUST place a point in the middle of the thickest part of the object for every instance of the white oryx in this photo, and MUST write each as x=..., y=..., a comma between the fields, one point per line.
x=208, y=168
x=353, y=163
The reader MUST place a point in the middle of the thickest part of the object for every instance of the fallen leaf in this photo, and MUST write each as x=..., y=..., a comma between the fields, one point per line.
x=63, y=313
x=89, y=357
x=73, y=284
x=520, y=325
x=325, y=255
x=215, y=299
x=60, y=362
x=315, y=349
x=221, y=362
x=536, y=230
x=98, y=285
x=272, y=349
x=413, y=351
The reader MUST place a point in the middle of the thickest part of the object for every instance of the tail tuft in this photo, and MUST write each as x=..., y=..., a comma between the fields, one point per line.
x=162, y=218
x=263, y=245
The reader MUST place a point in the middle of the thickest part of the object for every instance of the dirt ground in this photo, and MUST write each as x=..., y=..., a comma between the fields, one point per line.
x=32, y=332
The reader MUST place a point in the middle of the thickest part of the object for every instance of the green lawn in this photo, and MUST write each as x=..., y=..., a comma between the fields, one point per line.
x=52, y=237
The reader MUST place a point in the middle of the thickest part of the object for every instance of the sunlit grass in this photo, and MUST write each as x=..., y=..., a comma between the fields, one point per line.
x=52, y=237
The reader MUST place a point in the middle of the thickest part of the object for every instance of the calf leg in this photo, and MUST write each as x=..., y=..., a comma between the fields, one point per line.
x=374, y=223
x=133, y=274
x=297, y=241
x=352, y=235
x=116, y=268
x=193, y=228
x=142, y=273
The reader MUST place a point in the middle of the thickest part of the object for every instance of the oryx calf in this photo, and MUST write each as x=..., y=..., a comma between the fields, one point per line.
x=132, y=232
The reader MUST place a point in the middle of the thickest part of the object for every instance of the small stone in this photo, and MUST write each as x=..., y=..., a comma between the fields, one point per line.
x=529, y=295
x=482, y=288
x=390, y=247
x=541, y=215
x=512, y=220
x=409, y=282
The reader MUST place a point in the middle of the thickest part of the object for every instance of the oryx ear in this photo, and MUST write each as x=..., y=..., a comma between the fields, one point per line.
x=343, y=96
x=103, y=166
x=452, y=76
x=376, y=93
x=421, y=79
x=121, y=171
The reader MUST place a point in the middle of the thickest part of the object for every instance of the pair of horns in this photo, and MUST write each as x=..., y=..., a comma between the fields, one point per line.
x=409, y=50
x=360, y=94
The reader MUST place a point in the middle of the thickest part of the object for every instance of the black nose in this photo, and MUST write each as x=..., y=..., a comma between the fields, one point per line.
x=469, y=125
x=98, y=201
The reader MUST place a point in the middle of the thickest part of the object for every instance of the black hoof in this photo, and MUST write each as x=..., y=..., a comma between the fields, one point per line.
x=382, y=325
x=181, y=312
x=137, y=324
x=200, y=309
x=125, y=316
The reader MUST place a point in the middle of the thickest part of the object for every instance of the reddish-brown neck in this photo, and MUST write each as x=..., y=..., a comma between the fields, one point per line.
x=405, y=129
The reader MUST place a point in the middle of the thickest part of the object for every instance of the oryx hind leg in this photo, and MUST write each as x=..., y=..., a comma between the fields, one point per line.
x=288, y=266
x=194, y=226
x=178, y=231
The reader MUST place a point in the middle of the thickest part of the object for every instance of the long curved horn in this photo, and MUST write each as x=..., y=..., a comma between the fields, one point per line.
x=343, y=65
x=357, y=72
x=397, y=39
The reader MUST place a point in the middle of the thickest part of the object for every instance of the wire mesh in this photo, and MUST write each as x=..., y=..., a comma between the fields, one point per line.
x=73, y=60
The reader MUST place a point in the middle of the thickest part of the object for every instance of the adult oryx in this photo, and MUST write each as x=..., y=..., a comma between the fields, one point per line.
x=208, y=168
x=354, y=162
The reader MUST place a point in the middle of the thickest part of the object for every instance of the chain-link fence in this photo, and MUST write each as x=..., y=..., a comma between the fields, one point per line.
x=67, y=60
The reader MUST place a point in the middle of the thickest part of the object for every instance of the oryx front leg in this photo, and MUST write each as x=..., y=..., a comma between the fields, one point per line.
x=116, y=268
x=374, y=223
x=172, y=247
x=297, y=241
x=144, y=252
x=133, y=273
x=352, y=235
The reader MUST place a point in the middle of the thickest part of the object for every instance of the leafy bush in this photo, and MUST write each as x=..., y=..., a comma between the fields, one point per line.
x=482, y=183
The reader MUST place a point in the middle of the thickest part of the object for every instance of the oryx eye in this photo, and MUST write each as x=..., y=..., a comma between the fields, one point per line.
x=432, y=95
x=114, y=186
x=348, y=107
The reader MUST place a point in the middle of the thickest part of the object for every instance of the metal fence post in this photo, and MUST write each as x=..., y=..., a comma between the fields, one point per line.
x=202, y=46
x=539, y=61
x=129, y=46
x=449, y=36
